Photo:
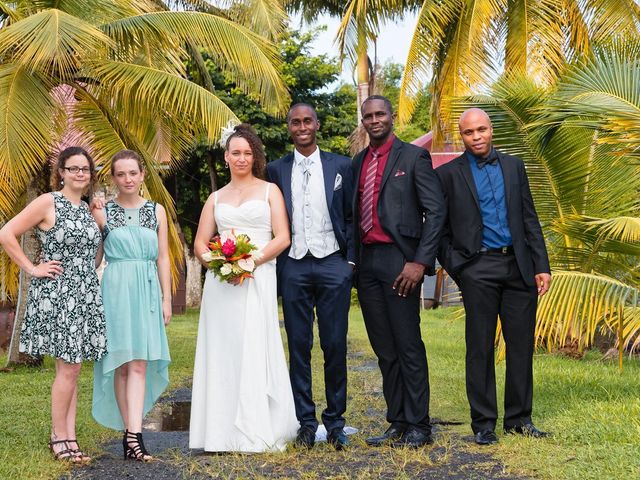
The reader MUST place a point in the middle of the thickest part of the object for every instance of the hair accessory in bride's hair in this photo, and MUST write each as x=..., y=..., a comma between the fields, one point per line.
x=226, y=132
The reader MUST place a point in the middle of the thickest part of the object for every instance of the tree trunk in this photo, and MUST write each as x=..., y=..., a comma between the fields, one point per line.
x=363, y=79
x=359, y=138
x=31, y=248
x=213, y=173
x=193, y=280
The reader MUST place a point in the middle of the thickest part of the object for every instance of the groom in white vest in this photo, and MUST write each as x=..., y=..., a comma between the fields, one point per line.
x=316, y=271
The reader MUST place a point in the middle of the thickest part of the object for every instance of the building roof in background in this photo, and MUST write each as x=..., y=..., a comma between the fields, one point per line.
x=437, y=158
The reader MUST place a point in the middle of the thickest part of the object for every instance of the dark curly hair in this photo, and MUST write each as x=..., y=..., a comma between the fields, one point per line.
x=246, y=131
x=61, y=162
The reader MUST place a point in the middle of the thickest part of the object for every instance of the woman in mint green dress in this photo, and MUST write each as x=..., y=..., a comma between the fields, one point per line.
x=136, y=288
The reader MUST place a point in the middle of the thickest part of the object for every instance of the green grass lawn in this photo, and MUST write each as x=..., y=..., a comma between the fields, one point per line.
x=592, y=409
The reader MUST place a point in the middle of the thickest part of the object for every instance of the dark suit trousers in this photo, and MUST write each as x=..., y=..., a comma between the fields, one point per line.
x=492, y=285
x=393, y=326
x=326, y=285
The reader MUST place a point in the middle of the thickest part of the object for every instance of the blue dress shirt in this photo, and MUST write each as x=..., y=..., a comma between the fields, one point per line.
x=493, y=205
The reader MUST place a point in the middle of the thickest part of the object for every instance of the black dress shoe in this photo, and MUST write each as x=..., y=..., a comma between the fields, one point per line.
x=486, y=437
x=338, y=439
x=528, y=430
x=393, y=433
x=306, y=437
x=413, y=438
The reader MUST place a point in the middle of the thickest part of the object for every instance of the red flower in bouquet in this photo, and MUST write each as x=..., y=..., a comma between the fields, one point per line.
x=232, y=258
x=228, y=248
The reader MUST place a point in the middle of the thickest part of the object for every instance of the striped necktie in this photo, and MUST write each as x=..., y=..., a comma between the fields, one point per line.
x=366, y=203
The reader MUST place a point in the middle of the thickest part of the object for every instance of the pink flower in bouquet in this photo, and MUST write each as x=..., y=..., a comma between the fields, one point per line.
x=228, y=248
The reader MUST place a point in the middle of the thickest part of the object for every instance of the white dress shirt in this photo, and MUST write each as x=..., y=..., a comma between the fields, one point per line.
x=311, y=227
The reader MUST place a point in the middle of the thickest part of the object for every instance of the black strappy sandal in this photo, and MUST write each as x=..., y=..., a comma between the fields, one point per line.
x=64, y=455
x=133, y=447
x=84, y=458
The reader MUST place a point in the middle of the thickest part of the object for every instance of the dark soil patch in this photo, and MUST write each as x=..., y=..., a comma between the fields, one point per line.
x=111, y=466
x=453, y=457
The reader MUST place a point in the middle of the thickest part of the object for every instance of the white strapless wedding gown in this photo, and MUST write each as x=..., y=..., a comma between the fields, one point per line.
x=242, y=399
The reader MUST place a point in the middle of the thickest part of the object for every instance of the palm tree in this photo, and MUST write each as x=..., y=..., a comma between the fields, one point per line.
x=580, y=141
x=110, y=74
x=360, y=26
x=463, y=46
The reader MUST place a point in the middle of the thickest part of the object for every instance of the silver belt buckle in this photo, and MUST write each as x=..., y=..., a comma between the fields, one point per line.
x=504, y=250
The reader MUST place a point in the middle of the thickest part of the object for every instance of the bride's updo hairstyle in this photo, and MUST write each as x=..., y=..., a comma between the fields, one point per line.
x=244, y=130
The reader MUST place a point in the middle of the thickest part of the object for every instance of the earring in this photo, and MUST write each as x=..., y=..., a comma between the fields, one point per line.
x=226, y=165
x=62, y=182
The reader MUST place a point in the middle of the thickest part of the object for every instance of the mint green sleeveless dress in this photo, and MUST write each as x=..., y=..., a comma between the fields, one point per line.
x=132, y=308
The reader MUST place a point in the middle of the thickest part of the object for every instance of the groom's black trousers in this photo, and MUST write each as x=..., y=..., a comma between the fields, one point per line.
x=492, y=286
x=323, y=283
x=393, y=326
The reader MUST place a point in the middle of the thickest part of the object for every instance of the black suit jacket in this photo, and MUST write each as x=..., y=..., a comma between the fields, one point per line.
x=410, y=206
x=338, y=183
x=462, y=236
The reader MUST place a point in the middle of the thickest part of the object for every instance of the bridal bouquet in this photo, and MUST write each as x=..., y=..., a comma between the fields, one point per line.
x=232, y=257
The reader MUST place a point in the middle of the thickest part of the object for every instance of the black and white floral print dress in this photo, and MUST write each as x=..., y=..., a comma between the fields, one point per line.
x=65, y=317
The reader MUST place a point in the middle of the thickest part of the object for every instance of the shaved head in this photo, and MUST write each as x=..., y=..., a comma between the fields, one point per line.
x=473, y=113
x=476, y=132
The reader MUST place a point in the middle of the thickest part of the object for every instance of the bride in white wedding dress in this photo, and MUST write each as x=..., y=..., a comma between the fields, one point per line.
x=242, y=399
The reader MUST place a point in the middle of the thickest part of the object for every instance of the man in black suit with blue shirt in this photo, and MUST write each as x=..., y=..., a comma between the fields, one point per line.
x=399, y=213
x=316, y=271
x=493, y=247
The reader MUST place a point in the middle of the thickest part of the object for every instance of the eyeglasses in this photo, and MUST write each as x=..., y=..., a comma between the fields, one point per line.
x=75, y=170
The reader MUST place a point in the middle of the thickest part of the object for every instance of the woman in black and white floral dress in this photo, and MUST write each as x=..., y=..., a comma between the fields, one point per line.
x=64, y=316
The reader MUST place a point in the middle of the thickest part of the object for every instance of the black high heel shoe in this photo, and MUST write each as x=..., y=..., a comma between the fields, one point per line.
x=133, y=447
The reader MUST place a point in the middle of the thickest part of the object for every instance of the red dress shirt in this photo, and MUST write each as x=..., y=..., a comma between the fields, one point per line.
x=376, y=234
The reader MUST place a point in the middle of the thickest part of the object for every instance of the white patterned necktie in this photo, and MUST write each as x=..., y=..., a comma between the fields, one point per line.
x=366, y=203
x=306, y=173
x=306, y=190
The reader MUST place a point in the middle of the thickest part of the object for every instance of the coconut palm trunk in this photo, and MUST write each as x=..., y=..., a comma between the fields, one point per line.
x=31, y=248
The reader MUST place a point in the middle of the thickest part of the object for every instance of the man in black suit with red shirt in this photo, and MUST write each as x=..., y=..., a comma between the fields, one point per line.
x=493, y=247
x=398, y=213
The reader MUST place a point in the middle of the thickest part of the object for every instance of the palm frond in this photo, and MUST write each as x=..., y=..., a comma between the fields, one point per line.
x=7, y=13
x=189, y=5
x=267, y=18
x=614, y=19
x=619, y=235
x=154, y=90
x=28, y=128
x=250, y=57
x=604, y=94
x=461, y=59
x=631, y=331
x=547, y=41
x=576, y=305
x=53, y=42
x=9, y=272
x=427, y=43
x=92, y=11
x=623, y=229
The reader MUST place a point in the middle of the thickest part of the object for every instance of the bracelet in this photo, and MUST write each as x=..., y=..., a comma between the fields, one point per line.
x=33, y=270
